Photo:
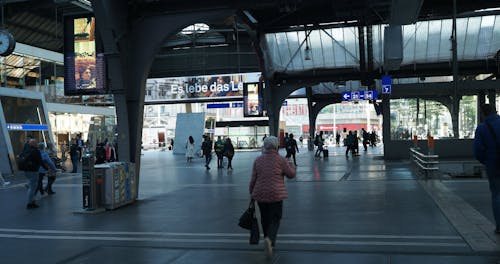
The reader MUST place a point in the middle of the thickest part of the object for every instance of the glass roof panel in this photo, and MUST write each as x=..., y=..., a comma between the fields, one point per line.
x=421, y=41
x=330, y=48
x=351, y=45
x=337, y=36
x=295, y=42
x=495, y=41
x=445, y=43
x=485, y=34
x=424, y=42
x=378, y=49
x=408, y=43
x=433, y=40
x=471, y=39
x=317, y=51
x=461, y=33
x=327, y=48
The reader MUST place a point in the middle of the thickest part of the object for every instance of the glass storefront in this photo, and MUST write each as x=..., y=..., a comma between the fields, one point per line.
x=92, y=128
x=410, y=117
x=24, y=111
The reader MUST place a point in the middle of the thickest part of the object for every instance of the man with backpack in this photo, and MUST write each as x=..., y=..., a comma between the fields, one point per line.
x=487, y=151
x=29, y=162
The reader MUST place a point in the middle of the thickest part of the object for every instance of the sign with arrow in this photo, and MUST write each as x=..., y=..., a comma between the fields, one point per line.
x=359, y=95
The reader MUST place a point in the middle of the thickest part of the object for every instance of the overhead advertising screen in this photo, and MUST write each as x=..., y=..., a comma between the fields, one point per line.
x=224, y=87
x=84, y=66
x=252, y=99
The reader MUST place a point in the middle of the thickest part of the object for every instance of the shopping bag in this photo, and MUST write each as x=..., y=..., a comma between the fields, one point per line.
x=254, y=232
x=247, y=217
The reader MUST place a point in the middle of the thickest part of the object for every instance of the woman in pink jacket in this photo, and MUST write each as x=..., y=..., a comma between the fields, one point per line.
x=267, y=187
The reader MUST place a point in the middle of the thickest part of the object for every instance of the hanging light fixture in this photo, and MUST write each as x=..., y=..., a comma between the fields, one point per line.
x=307, y=50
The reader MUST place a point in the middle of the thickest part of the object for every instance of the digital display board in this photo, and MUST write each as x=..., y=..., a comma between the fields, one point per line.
x=252, y=99
x=84, y=65
x=199, y=88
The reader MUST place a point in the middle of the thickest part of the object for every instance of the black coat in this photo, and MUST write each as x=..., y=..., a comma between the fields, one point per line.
x=32, y=160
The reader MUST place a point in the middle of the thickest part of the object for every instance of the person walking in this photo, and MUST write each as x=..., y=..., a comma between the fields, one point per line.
x=190, y=149
x=349, y=142
x=318, y=141
x=487, y=151
x=366, y=138
x=75, y=156
x=229, y=153
x=30, y=162
x=293, y=148
x=286, y=143
x=42, y=171
x=219, y=151
x=206, y=147
x=267, y=187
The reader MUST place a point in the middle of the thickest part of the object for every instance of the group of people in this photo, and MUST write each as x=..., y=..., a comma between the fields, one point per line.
x=37, y=161
x=222, y=148
x=351, y=142
x=104, y=152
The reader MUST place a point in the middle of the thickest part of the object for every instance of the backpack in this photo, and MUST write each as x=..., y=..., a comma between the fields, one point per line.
x=24, y=162
x=316, y=141
x=219, y=147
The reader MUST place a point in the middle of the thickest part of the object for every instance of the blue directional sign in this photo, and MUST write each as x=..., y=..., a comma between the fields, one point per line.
x=386, y=84
x=359, y=95
x=212, y=106
x=346, y=96
x=27, y=127
x=237, y=105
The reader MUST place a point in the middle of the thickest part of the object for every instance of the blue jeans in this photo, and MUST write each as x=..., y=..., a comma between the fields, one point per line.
x=32, y=177
x=74, y=161
x=208, y=158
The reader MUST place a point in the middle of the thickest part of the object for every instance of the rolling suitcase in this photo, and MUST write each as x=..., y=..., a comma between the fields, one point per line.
x=325, y=153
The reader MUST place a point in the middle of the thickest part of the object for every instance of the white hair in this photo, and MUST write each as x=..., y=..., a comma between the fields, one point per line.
x=271, y=142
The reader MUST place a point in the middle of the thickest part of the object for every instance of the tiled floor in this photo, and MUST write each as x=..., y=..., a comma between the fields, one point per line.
x=356, y=210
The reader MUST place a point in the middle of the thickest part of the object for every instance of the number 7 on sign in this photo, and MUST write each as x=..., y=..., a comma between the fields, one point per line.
x=386, y=89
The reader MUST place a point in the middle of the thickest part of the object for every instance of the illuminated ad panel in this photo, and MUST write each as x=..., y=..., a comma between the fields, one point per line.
x=252, y=99
x=221, y=87
x=84, y=65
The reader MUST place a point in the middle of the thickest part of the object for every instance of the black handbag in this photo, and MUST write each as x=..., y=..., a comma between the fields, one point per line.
x=254, y=232
x=248, y=216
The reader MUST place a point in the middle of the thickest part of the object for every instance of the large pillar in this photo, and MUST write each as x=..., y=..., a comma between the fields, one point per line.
x=455, y=110
x=481, y=100
x=130, y=48
x=386, y=121
x=492, y=97
x=312, y=119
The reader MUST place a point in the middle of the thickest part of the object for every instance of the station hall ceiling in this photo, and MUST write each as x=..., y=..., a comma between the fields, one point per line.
x=39, y=23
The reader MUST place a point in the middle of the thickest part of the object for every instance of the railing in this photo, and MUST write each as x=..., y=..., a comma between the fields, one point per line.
x=425, y=164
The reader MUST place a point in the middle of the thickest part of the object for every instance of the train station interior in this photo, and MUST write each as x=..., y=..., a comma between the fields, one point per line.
x=121, y=92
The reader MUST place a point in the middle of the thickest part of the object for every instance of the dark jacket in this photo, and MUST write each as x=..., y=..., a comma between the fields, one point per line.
x=292, y=146
x=206, y=147
x=33, y=160
x=228, y=149
x=485, y=148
